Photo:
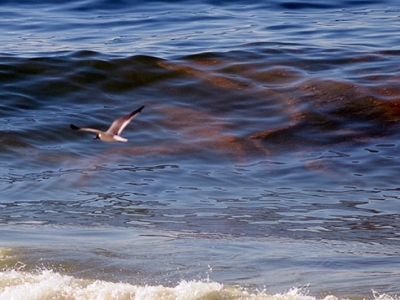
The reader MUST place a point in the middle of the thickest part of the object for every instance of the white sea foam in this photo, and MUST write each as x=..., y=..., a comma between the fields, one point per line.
x=18, y=284
x=48, y=284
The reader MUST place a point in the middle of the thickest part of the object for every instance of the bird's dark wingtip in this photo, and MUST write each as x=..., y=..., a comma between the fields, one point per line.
x=139, y=109
x=135, y=112
x=73, y=127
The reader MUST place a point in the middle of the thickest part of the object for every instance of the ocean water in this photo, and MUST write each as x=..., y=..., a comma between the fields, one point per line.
x=264, y=165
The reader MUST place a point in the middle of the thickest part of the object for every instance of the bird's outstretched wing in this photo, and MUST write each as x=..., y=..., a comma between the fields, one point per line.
x=119, y=124
x=85, y=129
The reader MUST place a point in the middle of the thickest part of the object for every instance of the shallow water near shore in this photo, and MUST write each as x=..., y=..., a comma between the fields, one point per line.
x=263, y=166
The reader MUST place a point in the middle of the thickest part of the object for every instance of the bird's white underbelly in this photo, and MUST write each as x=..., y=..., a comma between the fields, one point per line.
x=112, y=138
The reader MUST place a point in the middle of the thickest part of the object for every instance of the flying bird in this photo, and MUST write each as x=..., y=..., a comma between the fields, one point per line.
x=113, y=134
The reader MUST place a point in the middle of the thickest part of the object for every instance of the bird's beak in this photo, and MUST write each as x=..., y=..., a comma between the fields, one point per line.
x=96, y=137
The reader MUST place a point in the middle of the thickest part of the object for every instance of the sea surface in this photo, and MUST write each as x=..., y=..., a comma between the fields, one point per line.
x=264, y=165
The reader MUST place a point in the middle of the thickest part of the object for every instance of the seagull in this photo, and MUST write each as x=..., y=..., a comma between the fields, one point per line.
x=113, y=133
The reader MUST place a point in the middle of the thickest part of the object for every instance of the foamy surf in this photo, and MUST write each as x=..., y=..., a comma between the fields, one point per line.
x=18, y=284
x=47, y=284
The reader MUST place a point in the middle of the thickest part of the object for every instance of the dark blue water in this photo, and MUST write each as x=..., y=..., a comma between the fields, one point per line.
x=176, y=28
x=264, y=164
